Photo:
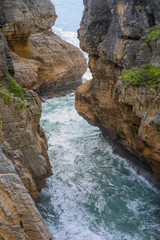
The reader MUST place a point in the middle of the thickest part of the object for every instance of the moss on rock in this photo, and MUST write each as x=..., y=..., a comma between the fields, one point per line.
x=148, y=75
x=154, y=34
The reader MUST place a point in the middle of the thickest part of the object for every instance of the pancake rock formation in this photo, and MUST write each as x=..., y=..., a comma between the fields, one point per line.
x=31, y=58
x=24, y=162
x=42, y=60
x=123, y=98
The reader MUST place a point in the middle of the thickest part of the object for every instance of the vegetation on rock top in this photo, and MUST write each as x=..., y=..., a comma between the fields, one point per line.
x=148, y=75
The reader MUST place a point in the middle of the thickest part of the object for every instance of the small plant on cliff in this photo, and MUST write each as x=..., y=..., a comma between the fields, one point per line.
x=20, y=105
x=158, y=42
x=6, y=95
x=154, y=33
x=14, y=88
x=147, y=75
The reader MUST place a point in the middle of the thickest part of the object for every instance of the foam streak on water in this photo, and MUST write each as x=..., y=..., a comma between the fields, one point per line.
x=93, y=194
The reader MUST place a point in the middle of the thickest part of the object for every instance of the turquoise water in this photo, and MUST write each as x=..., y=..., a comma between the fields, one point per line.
x=93, y=194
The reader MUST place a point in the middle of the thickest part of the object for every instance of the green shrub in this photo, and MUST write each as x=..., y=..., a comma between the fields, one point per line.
x=14, y=88
x=147, y=75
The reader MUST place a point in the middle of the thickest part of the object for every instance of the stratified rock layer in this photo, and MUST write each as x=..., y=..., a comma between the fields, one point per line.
x=24, y=162
x=38, y=60
x=115, y=33
x=42, y=60
x=19, y=218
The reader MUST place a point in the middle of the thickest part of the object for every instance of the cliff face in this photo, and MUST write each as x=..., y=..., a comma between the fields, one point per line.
x=119, y=36
x=37, y=59
x=24, y=162
x=42, y=60
x=19, y=218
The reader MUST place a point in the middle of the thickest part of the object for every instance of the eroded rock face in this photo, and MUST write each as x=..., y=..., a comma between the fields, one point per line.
x=61, y=64
x=25, y=143
x=23, y=18
x=42, y=60
x=115, y=33
x=24, y=162
x=19, y=218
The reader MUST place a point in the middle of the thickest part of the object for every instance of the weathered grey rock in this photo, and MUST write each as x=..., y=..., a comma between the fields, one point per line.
x=6, y=64
x=3, y=61
x=115, y=30
x=1, y=14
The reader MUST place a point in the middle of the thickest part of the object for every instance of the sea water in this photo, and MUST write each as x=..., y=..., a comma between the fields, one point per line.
x=93, y=194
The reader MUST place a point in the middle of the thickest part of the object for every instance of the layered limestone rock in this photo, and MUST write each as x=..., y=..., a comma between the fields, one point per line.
x=24, y=141
x=24, y=162
x=19, y=218
x=38, y=60
x=42, y=60
x=120, y=35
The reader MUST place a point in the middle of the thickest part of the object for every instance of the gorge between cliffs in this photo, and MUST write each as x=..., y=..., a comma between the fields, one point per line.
x=91, y=192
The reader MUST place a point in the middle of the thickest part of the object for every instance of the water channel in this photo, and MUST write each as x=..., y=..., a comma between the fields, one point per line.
x=93, y=194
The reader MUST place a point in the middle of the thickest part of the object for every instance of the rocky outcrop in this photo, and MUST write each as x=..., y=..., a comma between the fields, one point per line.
x=19, y=218
x=42, y=60
x=24, y=162
x=24, y=141
x=122, y=35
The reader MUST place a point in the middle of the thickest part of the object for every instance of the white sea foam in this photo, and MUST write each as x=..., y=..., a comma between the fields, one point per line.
x=69, y=36
x=88, y=75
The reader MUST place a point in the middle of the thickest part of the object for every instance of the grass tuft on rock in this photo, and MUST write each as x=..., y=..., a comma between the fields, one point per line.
x=14, y=88
x=6, y=95
x=148, y=75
